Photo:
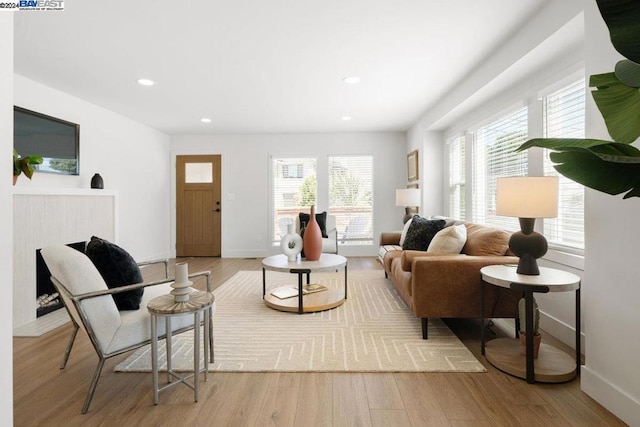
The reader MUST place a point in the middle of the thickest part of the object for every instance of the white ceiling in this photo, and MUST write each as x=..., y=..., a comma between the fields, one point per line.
x=263, y=66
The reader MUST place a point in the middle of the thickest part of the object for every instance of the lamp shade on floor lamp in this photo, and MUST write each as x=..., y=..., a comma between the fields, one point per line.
x=527, y=198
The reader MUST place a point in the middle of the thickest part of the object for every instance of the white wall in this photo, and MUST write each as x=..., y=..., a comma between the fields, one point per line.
x=611, y=287
x=245, y=183
x=6, y=213
x=133, y=159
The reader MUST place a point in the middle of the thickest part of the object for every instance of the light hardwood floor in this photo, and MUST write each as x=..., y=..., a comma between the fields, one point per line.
x=44, y=395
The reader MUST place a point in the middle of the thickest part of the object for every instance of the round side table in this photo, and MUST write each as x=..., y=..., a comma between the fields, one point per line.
x=552, y=364
x=165, y=306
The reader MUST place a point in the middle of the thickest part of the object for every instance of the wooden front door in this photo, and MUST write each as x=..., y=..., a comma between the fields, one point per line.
x=198, y=208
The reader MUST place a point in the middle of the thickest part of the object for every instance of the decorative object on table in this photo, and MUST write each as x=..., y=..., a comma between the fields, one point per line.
x=24, y=164
x=410, y=199
x=97, y=181
x=537, y=338
x=412, y=166
x=606, y=166
x=312, y=240
x=182, y=285
x=291, y=243
x=284, y=292
x=527, y=198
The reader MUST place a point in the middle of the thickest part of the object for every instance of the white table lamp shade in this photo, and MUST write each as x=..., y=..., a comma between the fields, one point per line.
x=408, y=197
x=527, y=196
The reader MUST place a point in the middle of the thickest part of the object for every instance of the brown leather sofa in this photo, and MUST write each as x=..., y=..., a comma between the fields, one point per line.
x=448, y=286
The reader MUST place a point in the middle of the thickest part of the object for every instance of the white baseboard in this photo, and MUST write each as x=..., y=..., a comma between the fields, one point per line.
x=608, y=395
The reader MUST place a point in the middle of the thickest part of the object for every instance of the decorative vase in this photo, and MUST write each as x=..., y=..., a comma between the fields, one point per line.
x=97, y=182
x=291, y=243
x=182, y=285
x=537, y=338
x=312, y=241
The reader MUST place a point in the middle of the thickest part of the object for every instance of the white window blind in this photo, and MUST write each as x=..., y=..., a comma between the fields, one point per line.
x=564, y=117
x=351, y=198
x=457, y=178
x=494, y=156
x=294, y=189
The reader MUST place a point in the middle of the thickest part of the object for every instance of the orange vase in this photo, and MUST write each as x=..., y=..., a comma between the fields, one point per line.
x=312, y=242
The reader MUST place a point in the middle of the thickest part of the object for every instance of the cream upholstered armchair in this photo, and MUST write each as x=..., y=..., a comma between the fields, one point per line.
x=91, y=307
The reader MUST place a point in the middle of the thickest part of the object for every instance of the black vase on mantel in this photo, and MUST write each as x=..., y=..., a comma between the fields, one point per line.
x=97, y=182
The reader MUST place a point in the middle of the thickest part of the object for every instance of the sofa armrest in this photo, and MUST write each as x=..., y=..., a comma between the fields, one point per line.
x=390, y=238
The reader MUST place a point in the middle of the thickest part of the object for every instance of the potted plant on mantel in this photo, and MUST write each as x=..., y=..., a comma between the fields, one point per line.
x=537, y=338
x=24, y=164
x=612, y=167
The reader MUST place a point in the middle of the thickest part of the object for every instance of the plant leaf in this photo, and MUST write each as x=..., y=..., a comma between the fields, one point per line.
x=617, y=152
x=628, y=72
x=619, y=105
x=623, y=19
x=561, y=144
x=586, y=168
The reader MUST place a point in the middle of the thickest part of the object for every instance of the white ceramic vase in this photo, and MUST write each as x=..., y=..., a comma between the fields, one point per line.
x=182, y=285
x=291, y=244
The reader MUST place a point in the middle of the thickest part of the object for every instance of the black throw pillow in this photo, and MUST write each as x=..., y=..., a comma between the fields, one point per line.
x=117, y=268
x=321, y=218
x=421, y=232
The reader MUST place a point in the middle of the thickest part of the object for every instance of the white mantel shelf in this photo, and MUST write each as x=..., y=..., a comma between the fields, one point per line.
x=45, y=191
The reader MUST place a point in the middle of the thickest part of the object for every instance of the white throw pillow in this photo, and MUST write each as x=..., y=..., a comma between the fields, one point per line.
x=404, y=231
x=449, y=240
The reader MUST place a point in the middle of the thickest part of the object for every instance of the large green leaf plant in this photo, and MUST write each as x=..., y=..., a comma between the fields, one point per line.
x=612, y=167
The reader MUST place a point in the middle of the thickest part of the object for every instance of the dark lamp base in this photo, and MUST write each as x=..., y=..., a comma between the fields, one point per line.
x=529, y=245
x=407, y=215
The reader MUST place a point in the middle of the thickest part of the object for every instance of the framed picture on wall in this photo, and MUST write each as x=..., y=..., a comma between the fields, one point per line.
x=412, y=166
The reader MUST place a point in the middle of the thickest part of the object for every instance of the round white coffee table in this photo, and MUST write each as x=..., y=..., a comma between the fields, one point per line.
x=306, y=298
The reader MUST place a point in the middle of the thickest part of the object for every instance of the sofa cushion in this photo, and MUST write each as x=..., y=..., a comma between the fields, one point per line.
x=449, y=240
x=117, y=268
x=448, y=221
x=420, y=233
x=482, y=240
x=321, y=218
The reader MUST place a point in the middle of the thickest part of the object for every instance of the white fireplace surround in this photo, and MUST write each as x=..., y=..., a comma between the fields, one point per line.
x=43, y=217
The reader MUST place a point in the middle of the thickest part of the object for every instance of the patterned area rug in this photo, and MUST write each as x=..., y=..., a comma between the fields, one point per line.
x=373, y=331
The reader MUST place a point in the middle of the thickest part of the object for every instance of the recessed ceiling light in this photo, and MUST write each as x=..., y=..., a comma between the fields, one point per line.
x=205, y=120
x=346, y=118
x=145, y=82
x=351, y=80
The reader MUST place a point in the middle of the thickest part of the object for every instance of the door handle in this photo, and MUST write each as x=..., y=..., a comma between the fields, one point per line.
x=217, y=210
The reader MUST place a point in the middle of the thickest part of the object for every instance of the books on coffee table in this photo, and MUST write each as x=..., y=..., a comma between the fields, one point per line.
x=289, y=292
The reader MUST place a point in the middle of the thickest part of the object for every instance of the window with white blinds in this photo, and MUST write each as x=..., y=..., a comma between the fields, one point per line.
x=564, y=117
x=494, y=156
x=351, y=198
x=457, y=178
x=294, y=189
